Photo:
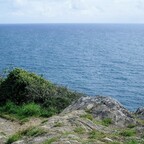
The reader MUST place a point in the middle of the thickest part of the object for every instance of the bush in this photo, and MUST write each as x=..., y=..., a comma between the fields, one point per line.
x=128, y=133
x=96, y=135
x=22, y=87
x=30, y=109
x=132, y=142
x=30, y=132
x=79, y=130
x=13, y=138
x=88, y=116
x=9, y=107
x=26, y=110
x=17, y=87
x=1, y=80
x=106, y=121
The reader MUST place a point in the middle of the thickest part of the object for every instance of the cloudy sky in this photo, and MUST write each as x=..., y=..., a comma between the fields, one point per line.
x=71, y=11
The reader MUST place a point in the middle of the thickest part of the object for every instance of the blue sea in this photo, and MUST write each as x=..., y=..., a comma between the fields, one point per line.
x=95, y=59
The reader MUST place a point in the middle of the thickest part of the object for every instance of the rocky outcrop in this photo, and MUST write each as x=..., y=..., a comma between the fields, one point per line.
x=103, y=107
x=81, y=123
x=71, y=128
x=140, y=113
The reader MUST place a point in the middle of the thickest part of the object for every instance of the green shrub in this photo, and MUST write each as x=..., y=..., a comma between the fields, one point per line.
x=22, y=87
x=58, y=124
x=96, y=135
x=79, y=130
x=26, y=110
x=88, y=116
x=106, y=121
x=51, y=140
x=131, y=125
x=13, y=138
x=132, y=142
x=1, y=80
x=32, y=132
x=9, y=107
x=128, y=133
x=48, y=112
x=31, y=109
x=18, y=84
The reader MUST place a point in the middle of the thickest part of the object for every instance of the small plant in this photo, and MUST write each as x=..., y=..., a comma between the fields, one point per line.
x=48, y=112
x=131, y=126
x=32, y=132
x=96, y=135
x=13, y=138
x=88, y=116
x=9, y=107
x=132, y=142
x=79, y=130
x=31, y=109
x=1, y=80
x=44, y=121
x=106, y=121
x=12, y=111
x=58, y=124
x=128, y=133
x=114, y=143
x=51, y=140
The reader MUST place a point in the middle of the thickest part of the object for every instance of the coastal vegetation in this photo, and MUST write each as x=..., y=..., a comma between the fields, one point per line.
x=24, y=94
x=28, y=103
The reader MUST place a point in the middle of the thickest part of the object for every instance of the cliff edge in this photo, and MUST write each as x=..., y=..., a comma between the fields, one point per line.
x=89, y=120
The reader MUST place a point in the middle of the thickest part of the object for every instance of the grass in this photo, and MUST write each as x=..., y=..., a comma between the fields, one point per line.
x=131, y=126
x=114, y=143
x=31, y=109
x=51, y=140
x=12, y=111
x=58, y=124
x=128, y=133
x=107, y=122
x=7, y=116
x=96, y=135
x=132, y=142
x=14, y=138
x=88, y=116
x=79, y=130
x=30, y=132
x=33, y=132
x=44, y=121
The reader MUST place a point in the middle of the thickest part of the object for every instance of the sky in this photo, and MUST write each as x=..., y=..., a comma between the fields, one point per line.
x=71, y=11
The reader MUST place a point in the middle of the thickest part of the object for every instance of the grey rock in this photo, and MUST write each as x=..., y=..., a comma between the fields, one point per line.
x=107, y=139
x=71, y=136
x=19, y=142
x=103, y=107
x=67, y=142
x=74, y=142
x=2, y=139
x=140, y=113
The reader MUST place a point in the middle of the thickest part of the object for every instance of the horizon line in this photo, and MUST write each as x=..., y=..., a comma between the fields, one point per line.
x=27, y=23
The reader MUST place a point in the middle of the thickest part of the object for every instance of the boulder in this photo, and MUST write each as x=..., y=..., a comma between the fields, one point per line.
x=102, y=108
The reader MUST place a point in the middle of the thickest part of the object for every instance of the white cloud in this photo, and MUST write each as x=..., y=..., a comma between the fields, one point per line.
x=77, y=10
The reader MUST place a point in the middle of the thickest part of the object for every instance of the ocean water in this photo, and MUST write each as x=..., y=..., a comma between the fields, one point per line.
x=96, y=59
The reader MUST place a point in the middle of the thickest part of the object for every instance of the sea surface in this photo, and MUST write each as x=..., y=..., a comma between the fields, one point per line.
x=96, y=59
